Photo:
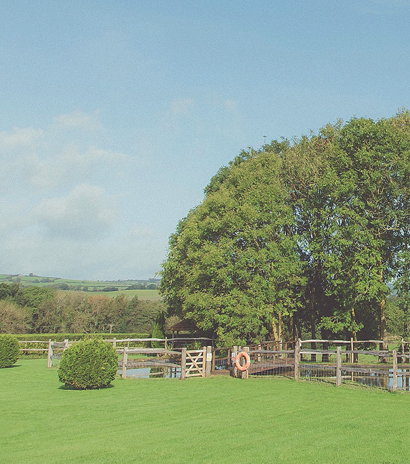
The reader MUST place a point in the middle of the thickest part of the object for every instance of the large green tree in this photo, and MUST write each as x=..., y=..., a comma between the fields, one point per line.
x=233, y=268
x=299, y=236
x=371, y=160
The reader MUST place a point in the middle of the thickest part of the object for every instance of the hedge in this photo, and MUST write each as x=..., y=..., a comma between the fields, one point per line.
x=9, y=350
x=89, y=364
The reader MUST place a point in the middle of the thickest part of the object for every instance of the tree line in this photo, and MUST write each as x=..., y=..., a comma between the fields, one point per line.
x=46, y=310
x=303, y=237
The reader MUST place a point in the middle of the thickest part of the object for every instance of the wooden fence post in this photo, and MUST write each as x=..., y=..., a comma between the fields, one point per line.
x=50, y=353
x=66, y=343
x=383, y=346
x=351, y=349
x=233, y=355
x=313, y=355
x=208, y=361
x=325, y=356
x=339, y=366
x=124, y=363
x=394, y=370
x=402, y=360
x=203, y=374
x=297, y=359
x=183, y=363
x=244, y=373
x=114, y=343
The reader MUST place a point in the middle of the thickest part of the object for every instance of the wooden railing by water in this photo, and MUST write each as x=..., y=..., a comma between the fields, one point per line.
x=380, y=367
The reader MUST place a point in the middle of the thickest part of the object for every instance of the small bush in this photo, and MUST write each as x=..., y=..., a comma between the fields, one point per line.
x=9, y=350
x=88, y=364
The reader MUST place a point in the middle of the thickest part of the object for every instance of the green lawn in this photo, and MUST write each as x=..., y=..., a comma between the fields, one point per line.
x=215, y=420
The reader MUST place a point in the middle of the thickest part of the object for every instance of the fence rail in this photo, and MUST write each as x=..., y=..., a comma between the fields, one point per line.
x=381, y=368
x=340, y=360
x=182, y=362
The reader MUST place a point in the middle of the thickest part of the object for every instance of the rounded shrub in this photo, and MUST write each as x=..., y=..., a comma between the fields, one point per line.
x=88, y=364
x=9, y=350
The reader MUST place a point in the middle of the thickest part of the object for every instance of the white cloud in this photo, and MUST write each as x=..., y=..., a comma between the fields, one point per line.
x=179, y=111
x=18, y=139
x=182, y=106
x=71, y=157
x=77, y=120
x=131, y=255
x=63, y=203
x=52, y=158
x=85, y=213
x=231, y=106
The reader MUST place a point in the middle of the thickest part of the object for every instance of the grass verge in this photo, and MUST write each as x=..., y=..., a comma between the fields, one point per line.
x=214, y=420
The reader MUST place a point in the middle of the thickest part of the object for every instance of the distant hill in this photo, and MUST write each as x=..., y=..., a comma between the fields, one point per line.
x=145, y=288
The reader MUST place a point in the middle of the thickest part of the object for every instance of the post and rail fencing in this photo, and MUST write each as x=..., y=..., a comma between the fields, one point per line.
x=366, y=362
x=143, y=361
x=55, y=350
x=377, y=368
x=181, y=363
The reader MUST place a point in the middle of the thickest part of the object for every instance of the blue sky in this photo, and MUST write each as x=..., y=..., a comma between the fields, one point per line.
x=115, y=114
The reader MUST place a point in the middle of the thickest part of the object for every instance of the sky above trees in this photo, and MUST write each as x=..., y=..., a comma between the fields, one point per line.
x=115, y=115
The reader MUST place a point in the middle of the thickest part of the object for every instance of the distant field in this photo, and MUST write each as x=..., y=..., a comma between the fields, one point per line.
x=90, y=286
x=142, y=294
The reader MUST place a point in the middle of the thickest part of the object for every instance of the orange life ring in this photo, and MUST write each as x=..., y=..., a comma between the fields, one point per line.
x=238, y=364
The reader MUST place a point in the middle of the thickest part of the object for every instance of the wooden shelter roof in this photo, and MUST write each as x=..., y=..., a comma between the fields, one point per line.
x=183, y=326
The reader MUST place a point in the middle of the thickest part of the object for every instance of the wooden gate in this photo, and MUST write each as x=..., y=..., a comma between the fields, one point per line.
x=196, y=363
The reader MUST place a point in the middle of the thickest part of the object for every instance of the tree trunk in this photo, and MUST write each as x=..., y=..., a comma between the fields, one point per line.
x=279, y=326
x=354, y=334
x=383, y=328
x=383, y=323
x=274, y=331
x=292, y=327
x=313, y=334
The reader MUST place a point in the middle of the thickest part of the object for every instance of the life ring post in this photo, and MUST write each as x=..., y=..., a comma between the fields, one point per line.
x=242, y=362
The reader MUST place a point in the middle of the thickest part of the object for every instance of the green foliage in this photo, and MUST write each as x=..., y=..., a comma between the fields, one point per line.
x=8, y=290
x=13, y=318
x=232, y=267
x=158, y=329
x=299, y=237
x=9, y=350
x=88, y=364
x=44, y=309
x=60, y=337
x=397, y=316
x=140, y=315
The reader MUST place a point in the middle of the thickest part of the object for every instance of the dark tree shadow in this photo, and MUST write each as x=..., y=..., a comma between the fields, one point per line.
x=69, y=388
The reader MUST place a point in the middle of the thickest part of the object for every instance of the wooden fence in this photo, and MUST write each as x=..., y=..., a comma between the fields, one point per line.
x=55, y=350
x=377, y=367
x=182, y=362
x=33, y=346
x=336, y=361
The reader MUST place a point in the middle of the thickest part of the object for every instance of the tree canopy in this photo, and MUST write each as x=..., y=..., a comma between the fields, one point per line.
x=298, y=237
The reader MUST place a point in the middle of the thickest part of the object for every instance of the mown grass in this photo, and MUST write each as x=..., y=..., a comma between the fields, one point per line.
x=214, y=420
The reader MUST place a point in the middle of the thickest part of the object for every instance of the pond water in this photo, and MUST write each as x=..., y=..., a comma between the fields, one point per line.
x=150, y=372
x=381, y=379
